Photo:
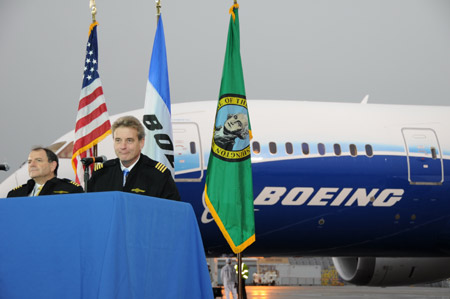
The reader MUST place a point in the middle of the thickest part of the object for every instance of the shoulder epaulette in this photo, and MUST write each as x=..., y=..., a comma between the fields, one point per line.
x=109, y=163
x=161, y=167
x=71, y=182
x=18, y=187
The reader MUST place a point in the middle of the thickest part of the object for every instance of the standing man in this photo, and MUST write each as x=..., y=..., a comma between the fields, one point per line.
x=132, y=171
x=229, y=279
x=43, y=168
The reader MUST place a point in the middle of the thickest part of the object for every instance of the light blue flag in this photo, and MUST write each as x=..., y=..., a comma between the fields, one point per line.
x=157, y=113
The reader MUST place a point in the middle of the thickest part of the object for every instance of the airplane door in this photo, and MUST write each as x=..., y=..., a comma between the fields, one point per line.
x=424, y=157
x=188, y=152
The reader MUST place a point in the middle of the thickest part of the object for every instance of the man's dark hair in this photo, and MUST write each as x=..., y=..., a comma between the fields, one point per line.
x=51, y=156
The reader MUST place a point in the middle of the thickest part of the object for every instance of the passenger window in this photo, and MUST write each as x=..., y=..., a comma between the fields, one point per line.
x=369, y=150
x=305, y=148
x=321, y=149
x=353, y=150
x=337, y=149
x=256, y=147
x=289, y=148
x=193, y=148
x=272, y=148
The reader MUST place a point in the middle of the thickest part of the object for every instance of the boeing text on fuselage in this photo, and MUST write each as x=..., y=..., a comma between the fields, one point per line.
x=327, y=196
x=324, y=196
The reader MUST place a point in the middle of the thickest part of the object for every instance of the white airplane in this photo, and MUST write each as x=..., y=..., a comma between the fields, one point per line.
x=365, y=183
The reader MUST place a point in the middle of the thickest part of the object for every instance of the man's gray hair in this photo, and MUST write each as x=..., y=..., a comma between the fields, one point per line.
x=129, y=121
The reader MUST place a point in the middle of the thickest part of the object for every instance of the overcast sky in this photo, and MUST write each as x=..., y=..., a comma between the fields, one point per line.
x=397, y=51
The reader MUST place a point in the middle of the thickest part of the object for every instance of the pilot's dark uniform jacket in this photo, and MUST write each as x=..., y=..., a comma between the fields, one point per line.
x=53, y=186
x=147, y=177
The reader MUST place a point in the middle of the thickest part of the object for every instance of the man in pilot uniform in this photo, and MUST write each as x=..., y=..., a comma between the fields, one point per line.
x=132, y=171
x=43, y=168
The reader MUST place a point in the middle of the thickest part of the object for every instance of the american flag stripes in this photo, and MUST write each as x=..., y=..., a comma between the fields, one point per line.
x=92, y=123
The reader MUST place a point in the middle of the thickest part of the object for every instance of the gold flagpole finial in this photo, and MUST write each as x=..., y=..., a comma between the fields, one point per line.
x=93, y=9
x=158, y=10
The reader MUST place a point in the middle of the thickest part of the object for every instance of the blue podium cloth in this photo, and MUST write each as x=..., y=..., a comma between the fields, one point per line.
x=100, y=245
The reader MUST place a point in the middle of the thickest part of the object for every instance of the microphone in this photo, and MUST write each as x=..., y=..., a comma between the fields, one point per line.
x=4, y=167
x=90, y=160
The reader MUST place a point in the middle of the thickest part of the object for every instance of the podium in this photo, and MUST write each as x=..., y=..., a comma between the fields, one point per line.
x=100, y=245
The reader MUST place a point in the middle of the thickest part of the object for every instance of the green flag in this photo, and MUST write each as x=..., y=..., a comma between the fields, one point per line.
x=229, y=186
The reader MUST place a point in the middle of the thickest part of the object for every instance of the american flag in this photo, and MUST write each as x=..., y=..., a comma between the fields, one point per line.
x=93, y=123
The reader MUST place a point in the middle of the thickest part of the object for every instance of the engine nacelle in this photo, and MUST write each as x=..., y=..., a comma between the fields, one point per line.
x=371, y=271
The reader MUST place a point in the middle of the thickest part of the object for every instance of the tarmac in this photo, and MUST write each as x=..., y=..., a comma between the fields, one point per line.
x=341, y=292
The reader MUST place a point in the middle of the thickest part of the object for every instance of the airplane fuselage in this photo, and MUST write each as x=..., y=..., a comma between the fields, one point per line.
x=343, y=179
x=328, y=178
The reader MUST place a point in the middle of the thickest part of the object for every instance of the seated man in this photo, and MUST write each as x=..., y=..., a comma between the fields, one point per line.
x=43, y=167
x=132, y=171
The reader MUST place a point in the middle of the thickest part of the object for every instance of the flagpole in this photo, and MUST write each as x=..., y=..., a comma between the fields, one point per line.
x=93, y=9
x=91, y=102
x=239, y=256
x=158, y=10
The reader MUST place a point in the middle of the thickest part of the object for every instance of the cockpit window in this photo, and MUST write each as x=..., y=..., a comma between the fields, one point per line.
x=56, y=146
x=66, y=152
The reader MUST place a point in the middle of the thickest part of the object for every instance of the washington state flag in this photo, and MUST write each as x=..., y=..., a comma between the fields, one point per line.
x=229, y=186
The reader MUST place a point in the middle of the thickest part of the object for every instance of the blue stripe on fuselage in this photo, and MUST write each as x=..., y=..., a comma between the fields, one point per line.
x=412, y=225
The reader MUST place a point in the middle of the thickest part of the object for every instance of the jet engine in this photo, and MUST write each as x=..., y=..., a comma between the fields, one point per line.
x=376, y=271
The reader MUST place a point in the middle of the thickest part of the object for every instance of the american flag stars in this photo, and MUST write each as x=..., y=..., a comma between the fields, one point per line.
x=90, y=67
